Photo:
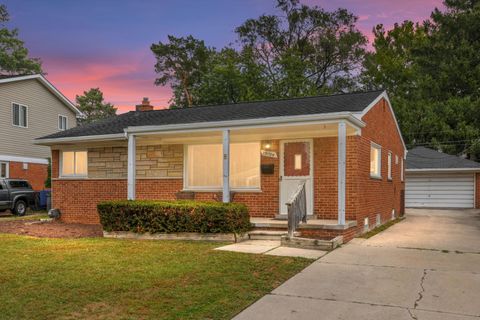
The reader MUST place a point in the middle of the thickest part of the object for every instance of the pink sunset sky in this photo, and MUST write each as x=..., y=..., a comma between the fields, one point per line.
x=106, y=44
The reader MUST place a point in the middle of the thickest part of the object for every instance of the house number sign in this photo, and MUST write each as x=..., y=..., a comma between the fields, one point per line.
x=269, y=154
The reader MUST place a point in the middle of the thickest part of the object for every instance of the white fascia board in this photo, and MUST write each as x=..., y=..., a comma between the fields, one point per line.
x=23, y=159
x=49, y=86
x=381, y=96
x=443, y=170
x=251, y=123
x=104, y=137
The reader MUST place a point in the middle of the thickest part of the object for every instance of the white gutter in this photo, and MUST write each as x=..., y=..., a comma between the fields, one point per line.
x=92, y=138
x=206, y=126
x=442, y=170
x=272, y=121
x=23, y=159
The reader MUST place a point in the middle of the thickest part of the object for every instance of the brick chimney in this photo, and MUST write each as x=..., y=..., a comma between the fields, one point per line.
x=145, y=106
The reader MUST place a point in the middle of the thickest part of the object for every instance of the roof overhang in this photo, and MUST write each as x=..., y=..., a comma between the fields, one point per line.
x=440, y=170
x=213, y=126
x=253, y=123
x=49, y=86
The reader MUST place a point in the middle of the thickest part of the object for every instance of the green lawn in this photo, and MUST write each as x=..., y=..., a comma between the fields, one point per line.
x=127, y=279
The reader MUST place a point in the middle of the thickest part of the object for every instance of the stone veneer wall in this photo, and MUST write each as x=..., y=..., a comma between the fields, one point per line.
x=158, y=161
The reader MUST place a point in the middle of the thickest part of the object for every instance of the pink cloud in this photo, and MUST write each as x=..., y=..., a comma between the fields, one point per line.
x=124, y=80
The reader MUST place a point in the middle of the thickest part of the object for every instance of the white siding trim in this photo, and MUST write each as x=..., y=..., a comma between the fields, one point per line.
x=23, y=159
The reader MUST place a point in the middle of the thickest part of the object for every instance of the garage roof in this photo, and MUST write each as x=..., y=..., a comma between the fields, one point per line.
x=429, y=159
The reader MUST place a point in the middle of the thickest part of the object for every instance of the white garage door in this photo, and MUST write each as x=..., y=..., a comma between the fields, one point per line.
x=440, y=190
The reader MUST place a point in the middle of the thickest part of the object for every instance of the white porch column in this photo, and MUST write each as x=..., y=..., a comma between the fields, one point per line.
x=342, y=163
x=226, y=166
x=131, y=167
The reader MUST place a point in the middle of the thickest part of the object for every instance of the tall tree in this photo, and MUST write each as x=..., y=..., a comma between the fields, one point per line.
x=181, y=62
x=14, y=57
x=305, y=50
x=93, y=106
x=432, y=72
x=301, y=51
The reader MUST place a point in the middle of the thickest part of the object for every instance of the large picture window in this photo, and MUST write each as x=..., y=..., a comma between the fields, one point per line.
x=204, y=166
x=74, y=163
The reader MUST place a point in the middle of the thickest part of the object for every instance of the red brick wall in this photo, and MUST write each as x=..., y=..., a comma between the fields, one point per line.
x=477, y=191
x=365, y=197
x=36, y=173
x=378, y=196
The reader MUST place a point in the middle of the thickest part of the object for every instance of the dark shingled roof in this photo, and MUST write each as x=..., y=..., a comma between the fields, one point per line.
x=351, y=102
x=425, y=158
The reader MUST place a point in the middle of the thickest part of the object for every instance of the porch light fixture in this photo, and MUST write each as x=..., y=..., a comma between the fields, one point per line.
x=267, y=145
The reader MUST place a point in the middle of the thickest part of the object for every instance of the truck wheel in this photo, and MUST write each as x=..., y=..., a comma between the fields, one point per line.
x=20, y=208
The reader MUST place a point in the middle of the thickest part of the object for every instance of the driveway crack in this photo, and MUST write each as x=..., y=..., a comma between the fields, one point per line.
x=422, y=291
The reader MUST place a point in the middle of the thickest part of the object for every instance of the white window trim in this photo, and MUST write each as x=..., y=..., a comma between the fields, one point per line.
x=70, y=176
x=7, y=165
x=401, y=170
x=389, y=166
x=26, y=115
x=66, y=122
x=379, y=147
x=215, y=188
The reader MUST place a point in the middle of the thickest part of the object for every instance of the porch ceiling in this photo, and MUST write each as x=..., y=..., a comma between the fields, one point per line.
x=247, y=134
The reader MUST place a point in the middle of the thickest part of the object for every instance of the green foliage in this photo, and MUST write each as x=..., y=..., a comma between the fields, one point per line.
x=174, y=216
x=302, y=51
x=432, y=74
x=14, y=57
x=92, y=105
x=48, y=181
x=181, y=62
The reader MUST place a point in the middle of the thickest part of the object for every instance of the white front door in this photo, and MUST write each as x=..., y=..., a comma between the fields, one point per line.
x=296, y=164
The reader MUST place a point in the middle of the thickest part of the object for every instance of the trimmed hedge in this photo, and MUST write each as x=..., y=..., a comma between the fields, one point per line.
x=173, y=216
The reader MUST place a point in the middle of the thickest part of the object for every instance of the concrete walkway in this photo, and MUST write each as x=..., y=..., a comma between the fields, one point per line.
x=425, y=267
x=271, y=247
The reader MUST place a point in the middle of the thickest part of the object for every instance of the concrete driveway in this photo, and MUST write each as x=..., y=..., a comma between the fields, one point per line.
x=425, y=267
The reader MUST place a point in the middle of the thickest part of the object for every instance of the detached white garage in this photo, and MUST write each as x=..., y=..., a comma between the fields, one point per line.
x=438, y=180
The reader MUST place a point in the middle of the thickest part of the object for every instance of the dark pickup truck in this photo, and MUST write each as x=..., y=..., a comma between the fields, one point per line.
x=16, y=195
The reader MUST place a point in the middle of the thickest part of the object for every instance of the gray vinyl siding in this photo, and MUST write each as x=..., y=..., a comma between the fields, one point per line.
x=43, y=110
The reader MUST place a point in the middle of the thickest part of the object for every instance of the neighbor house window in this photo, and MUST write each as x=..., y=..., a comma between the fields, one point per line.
x=389, y=171
x=375, y=160
x=3, y=169
x=204, y=166
x=19, y=115
x=62, y=122
x=74, y=163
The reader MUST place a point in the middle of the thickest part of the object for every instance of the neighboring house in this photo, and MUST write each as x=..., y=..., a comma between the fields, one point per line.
x=30, y=106
x=348, y=148
x=439, y=180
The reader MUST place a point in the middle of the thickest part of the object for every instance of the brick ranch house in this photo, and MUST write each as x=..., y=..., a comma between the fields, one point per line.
x=347, y=148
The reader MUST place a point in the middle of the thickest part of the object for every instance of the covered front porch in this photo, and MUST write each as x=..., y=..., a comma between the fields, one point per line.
x=260, y=165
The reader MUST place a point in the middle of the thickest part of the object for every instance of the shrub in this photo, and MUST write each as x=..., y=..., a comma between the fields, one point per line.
x=173, y=216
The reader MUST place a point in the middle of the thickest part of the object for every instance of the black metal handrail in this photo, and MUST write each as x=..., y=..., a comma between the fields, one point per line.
x=297, y=208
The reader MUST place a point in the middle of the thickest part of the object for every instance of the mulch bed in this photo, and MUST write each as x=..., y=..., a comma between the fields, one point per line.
x=53, y=229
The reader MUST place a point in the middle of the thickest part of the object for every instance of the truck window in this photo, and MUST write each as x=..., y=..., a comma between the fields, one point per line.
x=17, y=184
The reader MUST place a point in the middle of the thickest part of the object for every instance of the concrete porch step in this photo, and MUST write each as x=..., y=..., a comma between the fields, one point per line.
x=268, y=234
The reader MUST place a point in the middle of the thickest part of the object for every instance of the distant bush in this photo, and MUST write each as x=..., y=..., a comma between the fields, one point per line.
x=173, y=216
